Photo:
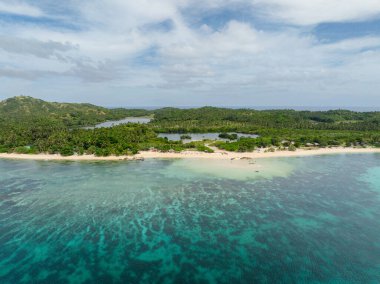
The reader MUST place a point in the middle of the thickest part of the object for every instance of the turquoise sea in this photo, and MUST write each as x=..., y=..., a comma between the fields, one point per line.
x=289, y=220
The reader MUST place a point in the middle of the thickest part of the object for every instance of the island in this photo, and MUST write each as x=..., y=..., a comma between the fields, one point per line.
x=35, y=129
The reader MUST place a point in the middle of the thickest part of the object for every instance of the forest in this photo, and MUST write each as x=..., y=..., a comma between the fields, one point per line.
x=29, y=125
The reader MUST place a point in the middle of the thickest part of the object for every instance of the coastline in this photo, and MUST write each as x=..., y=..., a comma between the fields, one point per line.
x=219, y=154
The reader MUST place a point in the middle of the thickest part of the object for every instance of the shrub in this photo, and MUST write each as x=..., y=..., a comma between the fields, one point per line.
x=202, y=148
x=3, y=149
x=22, y=150
x=292, y=148
x=228, y=136
x=185, y=137
x=67, y=151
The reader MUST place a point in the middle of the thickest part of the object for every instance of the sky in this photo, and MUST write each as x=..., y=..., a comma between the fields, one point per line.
x=192, y=52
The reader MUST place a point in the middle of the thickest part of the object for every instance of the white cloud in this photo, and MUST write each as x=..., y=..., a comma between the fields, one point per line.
x=311, y=12
x=19, y=8
x=33, y=46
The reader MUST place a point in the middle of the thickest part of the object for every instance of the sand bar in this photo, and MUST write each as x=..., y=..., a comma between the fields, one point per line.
x=196, y=155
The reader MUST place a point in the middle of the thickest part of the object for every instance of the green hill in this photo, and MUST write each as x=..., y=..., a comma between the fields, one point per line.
x=30, y=110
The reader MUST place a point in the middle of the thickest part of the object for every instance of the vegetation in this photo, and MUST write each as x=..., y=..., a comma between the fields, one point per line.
x=210, y=119
x=228, y=136
x=27, y=109
x=278, y=128
x=185, y=137
x=30, y=126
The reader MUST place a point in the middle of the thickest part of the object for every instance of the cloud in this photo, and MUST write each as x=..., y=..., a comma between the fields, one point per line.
x=301, y=12
x=95, y=72
x=19, y=8
x=25, y=74
x=145, y=45
x=34, y=47
x=235, y=37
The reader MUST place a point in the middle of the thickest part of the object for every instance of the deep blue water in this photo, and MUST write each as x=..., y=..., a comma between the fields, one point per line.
x=299, y=220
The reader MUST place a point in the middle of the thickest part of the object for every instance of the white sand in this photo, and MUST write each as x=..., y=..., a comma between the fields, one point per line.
x=197, y=155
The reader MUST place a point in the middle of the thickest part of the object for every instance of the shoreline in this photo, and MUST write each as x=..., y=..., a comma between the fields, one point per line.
x=219, y=154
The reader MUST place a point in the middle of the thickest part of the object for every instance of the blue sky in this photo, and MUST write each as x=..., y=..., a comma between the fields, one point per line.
x=192, y=52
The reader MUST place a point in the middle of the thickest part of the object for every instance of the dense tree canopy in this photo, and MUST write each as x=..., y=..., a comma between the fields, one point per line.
x=222, y=119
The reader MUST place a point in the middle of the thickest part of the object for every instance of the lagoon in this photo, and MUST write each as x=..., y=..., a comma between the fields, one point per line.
x=107, y=124
x=201, y=136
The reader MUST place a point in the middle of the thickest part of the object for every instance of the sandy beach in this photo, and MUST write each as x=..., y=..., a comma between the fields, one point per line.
x=223, y=155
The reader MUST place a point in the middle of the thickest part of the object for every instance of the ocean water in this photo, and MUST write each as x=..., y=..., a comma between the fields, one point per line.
x=293, y=220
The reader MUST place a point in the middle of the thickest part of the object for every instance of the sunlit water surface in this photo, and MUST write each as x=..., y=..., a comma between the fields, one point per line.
x=295, y=220
x=111, y=123
x=202, y=136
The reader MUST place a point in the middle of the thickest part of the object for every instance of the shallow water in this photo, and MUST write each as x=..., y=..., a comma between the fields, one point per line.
x=299, y=220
